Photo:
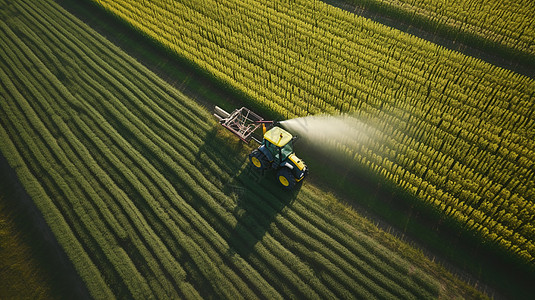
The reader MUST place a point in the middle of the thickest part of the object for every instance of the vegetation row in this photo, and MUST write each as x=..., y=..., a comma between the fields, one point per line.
x=498, y=26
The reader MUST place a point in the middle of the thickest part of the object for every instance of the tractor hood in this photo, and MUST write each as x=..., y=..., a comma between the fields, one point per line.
x=297, y=161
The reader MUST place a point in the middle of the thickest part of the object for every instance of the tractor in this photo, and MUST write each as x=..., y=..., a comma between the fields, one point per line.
x=276, y=147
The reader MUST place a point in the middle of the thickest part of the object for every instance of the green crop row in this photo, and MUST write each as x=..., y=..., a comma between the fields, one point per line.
x=507, y=23
x=453, y=130
x=110, y=154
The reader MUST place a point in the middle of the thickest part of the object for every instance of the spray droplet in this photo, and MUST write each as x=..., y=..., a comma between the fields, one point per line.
x=343, y=131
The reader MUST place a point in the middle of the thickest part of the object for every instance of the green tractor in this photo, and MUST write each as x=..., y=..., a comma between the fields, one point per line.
x=275, y=150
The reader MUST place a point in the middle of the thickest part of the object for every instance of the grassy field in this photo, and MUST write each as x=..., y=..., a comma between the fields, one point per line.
x=31, y=264
x=22, y=276
x=149, y=198
x=454, y=131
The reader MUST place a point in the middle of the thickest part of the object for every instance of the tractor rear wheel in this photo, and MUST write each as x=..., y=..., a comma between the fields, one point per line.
x=258, y=160
x=286, y=178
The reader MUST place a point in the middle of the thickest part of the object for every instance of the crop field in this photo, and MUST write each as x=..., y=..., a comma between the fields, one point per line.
x=455, y=131
x=149, y=199
x=509, y=24
x=21, y=276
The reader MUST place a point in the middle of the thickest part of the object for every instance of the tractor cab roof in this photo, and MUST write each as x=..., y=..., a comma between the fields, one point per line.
x=278, y=136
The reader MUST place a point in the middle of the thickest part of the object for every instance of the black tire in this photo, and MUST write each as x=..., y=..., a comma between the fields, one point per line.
x=286, y=178
x=258, y=160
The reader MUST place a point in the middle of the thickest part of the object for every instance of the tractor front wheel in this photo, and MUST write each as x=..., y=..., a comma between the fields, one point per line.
x=286, y=178
x=258, y=160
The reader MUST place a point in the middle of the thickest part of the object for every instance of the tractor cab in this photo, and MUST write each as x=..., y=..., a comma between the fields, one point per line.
x=276, y=152
x=279, y=143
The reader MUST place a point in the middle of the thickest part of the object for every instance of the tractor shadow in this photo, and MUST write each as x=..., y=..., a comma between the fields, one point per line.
x=253, y=198
x=260, y=199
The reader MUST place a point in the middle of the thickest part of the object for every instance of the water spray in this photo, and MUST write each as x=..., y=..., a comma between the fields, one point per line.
x=331, y=133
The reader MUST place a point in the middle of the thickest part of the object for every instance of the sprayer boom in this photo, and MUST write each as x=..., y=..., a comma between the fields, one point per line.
x=242, y=122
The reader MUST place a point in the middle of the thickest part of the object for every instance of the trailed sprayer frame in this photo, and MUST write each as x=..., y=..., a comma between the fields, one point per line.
x=242, y=122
